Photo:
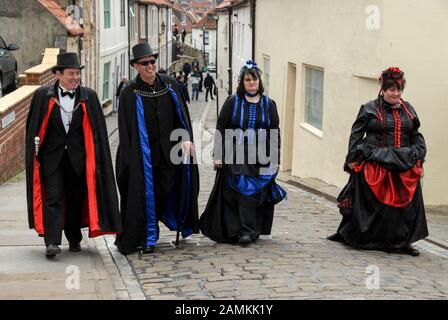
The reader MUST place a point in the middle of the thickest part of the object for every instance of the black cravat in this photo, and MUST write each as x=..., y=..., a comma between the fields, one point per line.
x=67, y=93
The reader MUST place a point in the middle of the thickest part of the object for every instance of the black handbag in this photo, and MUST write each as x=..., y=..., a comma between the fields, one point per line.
x=215, y=91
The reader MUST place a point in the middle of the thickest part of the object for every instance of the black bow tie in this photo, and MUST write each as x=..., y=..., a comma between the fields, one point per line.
x=68, y=93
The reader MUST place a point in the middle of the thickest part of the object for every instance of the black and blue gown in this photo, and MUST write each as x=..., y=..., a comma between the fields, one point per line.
x=244, y=194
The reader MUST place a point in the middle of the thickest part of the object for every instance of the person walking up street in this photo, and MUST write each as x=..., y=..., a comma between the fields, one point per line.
x=195, y=78
x=209, y=84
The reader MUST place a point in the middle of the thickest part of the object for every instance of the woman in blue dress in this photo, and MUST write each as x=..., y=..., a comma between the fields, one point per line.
x=246, y=157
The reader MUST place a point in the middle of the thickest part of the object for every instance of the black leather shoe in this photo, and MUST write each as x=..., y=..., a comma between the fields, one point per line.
x=411, y=251
x=336, y=237
x=245, y=239
x=149, y=249
x=74, y=247
x=51, y=251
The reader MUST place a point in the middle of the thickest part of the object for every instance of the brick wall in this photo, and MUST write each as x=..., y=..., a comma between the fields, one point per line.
x=13, y=113
x=12, y=140
x=39, y=78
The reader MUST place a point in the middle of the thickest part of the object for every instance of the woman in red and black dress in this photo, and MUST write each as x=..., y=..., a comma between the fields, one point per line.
x=382, y=204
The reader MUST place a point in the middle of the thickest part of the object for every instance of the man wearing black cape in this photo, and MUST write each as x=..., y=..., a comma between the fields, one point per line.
x=69, y=173
x=156, y=183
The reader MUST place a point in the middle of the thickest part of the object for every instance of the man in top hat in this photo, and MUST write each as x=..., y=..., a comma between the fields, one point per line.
x=70, y=181
x=155, y=176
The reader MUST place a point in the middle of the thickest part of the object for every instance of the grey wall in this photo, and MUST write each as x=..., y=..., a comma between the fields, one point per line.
x=31, y=26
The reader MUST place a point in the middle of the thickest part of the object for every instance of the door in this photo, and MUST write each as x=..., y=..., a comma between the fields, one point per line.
x=288, y=119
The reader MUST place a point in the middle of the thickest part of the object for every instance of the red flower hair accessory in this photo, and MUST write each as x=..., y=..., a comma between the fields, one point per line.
x=393, y=73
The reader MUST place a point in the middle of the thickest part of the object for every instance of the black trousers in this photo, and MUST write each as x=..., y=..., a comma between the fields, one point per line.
x=64, y=198
x=209, y=90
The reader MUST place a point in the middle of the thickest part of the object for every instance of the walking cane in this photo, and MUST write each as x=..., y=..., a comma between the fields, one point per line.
x=185, y=162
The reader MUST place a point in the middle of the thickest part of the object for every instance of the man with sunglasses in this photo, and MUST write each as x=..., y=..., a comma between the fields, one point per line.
x=154, y=184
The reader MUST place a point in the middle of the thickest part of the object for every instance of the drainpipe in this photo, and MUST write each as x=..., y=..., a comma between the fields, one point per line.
x=230, y=51
x=168, y=27
x=129, y=39
x=252, y=23
x=216, y=64
x=158, y=29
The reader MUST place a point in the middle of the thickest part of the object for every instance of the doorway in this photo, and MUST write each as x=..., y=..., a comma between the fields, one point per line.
x=288, y=119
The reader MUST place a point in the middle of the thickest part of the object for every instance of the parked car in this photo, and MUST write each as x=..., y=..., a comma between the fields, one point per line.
x=211, y=68
x=8, y=67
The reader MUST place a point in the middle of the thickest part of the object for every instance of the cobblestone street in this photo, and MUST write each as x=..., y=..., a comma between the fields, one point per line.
x=295, y=262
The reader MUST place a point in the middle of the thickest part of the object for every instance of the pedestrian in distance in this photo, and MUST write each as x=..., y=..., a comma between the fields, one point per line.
x=195, y=78
x=184, y=86
x=124, y=81
x=184, y=34
x=209, y=84
x=186, y=68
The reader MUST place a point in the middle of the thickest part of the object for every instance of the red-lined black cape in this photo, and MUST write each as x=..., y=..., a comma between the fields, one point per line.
x=100, y=213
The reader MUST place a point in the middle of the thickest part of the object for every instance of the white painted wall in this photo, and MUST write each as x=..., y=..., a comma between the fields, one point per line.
x=412, y=35
x=242, y=41
x=113, y=47
x=198, y=43
x=222, y=80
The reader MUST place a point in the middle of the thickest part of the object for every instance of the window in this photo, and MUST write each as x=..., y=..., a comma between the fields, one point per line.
x=122, y=13
x=183, y=18
x=209, y=17
x=226, y=35
x=314, y=96
x=153, y=28
x=206, y=38
x=266, y=73
x=132, y=22
x=143, y=23
x=106, y=81
x=107, y=23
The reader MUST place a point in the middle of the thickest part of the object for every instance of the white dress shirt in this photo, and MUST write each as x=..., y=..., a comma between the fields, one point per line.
x=68, y=104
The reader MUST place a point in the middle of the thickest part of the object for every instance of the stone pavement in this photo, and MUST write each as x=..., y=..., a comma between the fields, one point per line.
x=26, y=274
x=295, y=262
x=24, y=271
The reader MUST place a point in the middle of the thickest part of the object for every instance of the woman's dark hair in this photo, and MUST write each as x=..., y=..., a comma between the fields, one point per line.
x=392, y=77
x=240, y=91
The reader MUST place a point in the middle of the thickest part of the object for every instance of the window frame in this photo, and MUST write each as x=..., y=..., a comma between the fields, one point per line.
x=106, y=81
x=107, y=14
x=310, y=95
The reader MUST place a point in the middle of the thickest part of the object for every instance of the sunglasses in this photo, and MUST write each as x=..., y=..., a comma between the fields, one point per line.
x=147, y=62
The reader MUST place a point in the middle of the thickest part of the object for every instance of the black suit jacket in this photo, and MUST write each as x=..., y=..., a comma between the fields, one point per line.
x=57, y=140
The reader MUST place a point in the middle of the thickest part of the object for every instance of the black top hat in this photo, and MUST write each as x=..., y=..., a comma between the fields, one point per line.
x=67, y=60
x=142, y=50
